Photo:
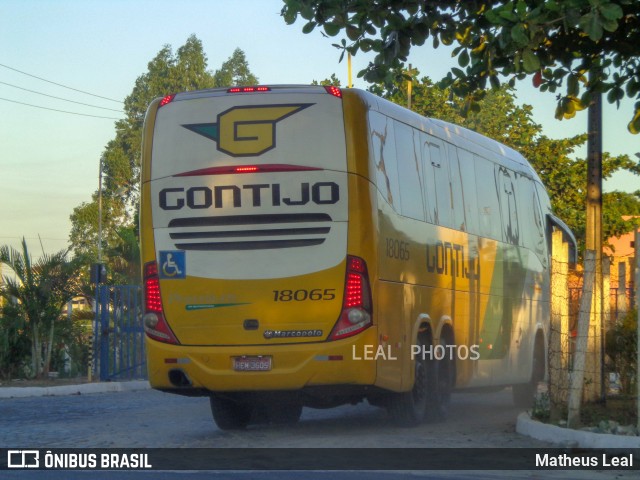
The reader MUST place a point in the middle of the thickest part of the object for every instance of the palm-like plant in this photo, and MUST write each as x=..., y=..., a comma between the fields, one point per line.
x=39, y=290
x=124, y=257
x=14, y=344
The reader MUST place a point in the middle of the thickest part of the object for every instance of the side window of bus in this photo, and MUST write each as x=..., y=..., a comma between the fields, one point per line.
x=526, y=206
x=409, y=171
x=488, y=203
x=468, y=176
x=530, y=216
x=384, y=155
x=457, y=202
x=440, y=181
x=508, y=202
x=428, y=182
x=542, y=206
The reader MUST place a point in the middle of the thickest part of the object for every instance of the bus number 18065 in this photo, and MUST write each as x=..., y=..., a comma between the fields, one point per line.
x=302, y=295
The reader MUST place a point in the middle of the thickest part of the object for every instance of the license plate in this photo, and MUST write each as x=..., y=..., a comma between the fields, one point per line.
x=252, y=364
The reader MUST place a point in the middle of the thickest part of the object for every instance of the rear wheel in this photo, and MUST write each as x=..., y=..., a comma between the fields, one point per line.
x=229, y=414
x=524, y=394
x=284, y=413
x=408, y=409
x=443, y=381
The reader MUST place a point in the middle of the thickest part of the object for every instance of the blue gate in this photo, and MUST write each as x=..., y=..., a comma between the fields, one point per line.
x=118, y=349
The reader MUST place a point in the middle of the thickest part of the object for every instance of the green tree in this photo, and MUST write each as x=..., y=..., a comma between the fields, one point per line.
x=125, y=255
x=235, y=71
x=622, y=350
x=503, y=120
x=167, y=73
x=328, y=82
x=14, y=342
x=578, y=46
x=38, y=292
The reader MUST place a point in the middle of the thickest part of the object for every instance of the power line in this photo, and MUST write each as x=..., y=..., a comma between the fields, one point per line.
x=59, y=84
x=60, y=98
x=56, y=110
x=32, y=238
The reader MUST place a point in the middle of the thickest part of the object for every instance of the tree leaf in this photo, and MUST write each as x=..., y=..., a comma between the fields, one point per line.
x=520, y=35
x=611, y=11
x=610, y=25
x=634, y=124
x=573, y=88
x=592, y=26
x=463, y=58
x=353, y=33
x=506, y=13
x=331, y=29
x=530, y=61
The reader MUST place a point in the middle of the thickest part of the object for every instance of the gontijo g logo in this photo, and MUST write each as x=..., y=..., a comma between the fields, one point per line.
x=247, y=131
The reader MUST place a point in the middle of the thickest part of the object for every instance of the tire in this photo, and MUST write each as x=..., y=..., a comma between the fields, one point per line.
x=228, y=414
x=524, y=394
x=443, y=379
x=408, y=409
x=284, y=413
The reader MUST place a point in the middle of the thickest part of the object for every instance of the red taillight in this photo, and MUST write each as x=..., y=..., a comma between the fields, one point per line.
x=335, y=91
x=246, y=169
x=353, y=291
x=225, y=170
x=356, y=305
x=248, y=89
x=167, y=99
x=155, y=324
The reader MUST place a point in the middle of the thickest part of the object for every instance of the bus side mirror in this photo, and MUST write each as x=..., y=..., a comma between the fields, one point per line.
x=567, y=236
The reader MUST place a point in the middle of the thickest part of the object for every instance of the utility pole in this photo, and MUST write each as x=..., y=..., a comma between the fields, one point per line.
x=409, y=89
x=100, y=211
x=636, y=239
x=595, y=372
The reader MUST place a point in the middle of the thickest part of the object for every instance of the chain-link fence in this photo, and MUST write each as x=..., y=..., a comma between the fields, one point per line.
x=592, y=341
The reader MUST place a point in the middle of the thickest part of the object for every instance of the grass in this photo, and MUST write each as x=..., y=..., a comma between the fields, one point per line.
x=621, y=409
x=43, y=382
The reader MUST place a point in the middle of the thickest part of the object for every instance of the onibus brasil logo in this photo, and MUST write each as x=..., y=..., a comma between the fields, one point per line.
x=247, y=131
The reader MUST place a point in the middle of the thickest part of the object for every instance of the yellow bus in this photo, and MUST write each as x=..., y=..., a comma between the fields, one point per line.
x=317, y=246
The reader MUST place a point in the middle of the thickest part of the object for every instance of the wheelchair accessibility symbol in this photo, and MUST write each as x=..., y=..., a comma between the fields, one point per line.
x=172, y=264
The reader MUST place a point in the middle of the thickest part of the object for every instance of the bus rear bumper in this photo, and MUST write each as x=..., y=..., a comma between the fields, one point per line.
x=198, y=370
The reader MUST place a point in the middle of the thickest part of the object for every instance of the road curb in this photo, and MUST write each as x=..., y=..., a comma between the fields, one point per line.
x=82, y=389
x=567, y=437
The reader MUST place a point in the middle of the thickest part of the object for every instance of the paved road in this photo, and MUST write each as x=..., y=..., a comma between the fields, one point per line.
x=152, y=419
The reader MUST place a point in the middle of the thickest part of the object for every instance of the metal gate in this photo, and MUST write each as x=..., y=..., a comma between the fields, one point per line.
x=118, y=350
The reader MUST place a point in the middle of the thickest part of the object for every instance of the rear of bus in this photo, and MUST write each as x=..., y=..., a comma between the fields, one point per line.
x=250, y=280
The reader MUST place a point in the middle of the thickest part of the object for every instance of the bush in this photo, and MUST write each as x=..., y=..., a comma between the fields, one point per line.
x=70, y=358
x=622, y=350
x=15, y=347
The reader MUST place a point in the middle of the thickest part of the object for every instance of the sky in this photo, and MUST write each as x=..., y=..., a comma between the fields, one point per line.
x=49, y=159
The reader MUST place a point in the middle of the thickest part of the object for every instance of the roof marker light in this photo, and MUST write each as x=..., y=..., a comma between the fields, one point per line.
x=335, y=91
x=246, y=169
x=166, y=100
x=248, y=89
x=230, y=169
